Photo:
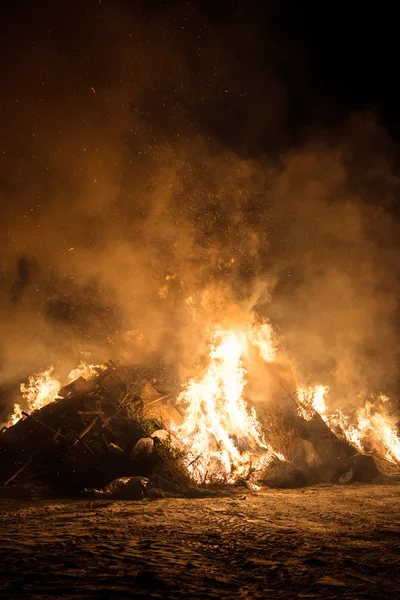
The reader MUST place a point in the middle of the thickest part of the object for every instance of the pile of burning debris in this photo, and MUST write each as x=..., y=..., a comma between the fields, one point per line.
x=126, y=425
x=96, y=430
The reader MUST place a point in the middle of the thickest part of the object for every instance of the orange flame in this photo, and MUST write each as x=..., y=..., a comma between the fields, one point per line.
x=42, y=389
x=312, y=400
x=224, y=436
x=86, y=371
x=370, y=429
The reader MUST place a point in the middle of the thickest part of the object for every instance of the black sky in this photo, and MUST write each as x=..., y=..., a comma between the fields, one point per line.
x=332, y=57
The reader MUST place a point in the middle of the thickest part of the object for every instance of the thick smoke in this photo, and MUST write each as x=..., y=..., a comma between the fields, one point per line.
x=150, y=180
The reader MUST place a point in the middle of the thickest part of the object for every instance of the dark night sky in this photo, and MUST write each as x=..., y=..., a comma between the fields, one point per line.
x=332, y=58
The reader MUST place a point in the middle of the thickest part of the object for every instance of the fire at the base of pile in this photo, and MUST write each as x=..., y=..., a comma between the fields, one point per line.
x=110, y=421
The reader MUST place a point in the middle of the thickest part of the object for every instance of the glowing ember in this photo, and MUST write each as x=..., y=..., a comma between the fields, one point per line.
x=223, y=434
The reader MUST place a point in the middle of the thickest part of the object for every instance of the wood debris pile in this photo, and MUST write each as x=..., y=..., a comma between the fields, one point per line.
x=117, y=426
x=85, y=438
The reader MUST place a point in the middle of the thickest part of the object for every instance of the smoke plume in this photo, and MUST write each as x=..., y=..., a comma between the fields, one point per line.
x=152, y=180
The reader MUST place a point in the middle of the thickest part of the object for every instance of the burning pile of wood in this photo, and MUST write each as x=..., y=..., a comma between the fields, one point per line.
x=96, y=431
x=120, y=424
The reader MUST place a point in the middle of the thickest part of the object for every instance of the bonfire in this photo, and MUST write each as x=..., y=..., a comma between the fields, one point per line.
x=212, y=421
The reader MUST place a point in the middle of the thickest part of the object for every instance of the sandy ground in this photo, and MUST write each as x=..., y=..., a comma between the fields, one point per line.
x=321, y=542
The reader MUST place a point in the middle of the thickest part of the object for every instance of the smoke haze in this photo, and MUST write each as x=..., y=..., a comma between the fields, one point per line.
x=151, y=173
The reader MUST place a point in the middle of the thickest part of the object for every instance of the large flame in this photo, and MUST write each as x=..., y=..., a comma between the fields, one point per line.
x=223, y=434
x=220, y=431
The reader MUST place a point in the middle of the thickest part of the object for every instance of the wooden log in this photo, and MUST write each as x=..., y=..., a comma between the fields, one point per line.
x=28, y=462
x=54, y=431
x=82, y=441
x=158, y=399
x=77, y=387
x=85, y=431
x=43, y=424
